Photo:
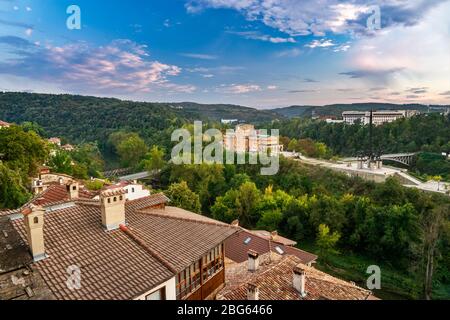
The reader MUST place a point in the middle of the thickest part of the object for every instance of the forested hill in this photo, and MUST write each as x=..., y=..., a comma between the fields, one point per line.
x=337, y=109
x=80, y=118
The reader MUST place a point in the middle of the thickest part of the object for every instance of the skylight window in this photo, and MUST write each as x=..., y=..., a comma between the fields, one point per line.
x=247, y=241
x=279, y=250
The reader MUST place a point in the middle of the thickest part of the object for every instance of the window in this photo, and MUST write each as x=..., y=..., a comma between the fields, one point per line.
x=157, y=295
x=109, y=200
x=74, y=188
x=36, y=220
x=279, y=250
x=115, y=199
x=132, y=190
x=121, y=198
x=248, y=240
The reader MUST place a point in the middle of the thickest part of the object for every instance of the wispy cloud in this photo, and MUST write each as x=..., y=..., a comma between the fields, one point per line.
x=200, y=56
x=239, y=88
x=290, y=53
x=322, y=43
x=120, y=67
x=254, y=35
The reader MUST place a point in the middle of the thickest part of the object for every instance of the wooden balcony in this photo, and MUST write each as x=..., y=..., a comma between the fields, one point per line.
x=209, y=287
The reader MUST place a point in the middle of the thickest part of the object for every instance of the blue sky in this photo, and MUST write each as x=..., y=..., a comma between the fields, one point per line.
x=259, y=53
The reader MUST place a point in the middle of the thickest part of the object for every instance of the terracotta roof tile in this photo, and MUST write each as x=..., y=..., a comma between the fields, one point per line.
x=275, y=282
x=238, y=245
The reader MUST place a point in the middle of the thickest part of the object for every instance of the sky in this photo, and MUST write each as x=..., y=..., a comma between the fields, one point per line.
x=257, y=53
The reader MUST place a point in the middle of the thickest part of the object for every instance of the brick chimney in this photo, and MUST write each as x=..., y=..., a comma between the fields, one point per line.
x=252, y=292
x=73, y=190
x=253, y=261
x=235, y=223
x=299, y=280
x=113, y=208
x=34, y=227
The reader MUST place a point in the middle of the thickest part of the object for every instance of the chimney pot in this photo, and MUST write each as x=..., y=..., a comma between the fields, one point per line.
x=274, y=235
x=253, y=261
x=113, y=208
x=73, y=190
x=299, y=280
x=252, y=292
x=34, y=226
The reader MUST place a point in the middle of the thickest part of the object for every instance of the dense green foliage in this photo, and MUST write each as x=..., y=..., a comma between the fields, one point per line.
x=384, y=222
x=80, y=119
x=428, y=133
x=182, y=197
x=21, y=154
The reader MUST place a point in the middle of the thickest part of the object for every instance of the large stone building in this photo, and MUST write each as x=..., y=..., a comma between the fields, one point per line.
x=379, y=117
x=246, y=138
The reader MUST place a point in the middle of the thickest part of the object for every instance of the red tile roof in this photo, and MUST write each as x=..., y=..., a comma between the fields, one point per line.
x=237, y=246
x=275, y=282
x=124, y=263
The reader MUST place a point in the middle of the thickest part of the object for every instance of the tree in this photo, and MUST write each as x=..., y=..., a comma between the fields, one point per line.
x=61, y=162
x=432, y=229
x=326, y=241
x=131, y=150
x=12, y=191
x=247, y=201
x=154, y=160
x=22, y=151
x=183, y=197
x=270, y=220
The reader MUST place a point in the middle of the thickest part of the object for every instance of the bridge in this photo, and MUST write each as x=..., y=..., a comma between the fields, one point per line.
x=402, y=158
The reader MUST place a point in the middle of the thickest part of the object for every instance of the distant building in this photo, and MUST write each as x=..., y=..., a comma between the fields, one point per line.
x=68, y=147
x=246, y=138
x=133, y=190
x=379, y=117
x=229, y=121
x=4, y=124
x=55, y=141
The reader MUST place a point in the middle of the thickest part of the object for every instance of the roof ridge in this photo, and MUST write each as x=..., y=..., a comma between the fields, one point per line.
x=217, y=224
x=152, y=252
x=150, y=196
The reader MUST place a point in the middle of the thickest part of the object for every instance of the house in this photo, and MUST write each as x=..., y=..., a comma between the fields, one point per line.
x=18, y=279
x=68, y=147
x=114, y=249
x=262, y=242
x=275, y=277
x=133, y=190
x=55, y=141
x=4, y=124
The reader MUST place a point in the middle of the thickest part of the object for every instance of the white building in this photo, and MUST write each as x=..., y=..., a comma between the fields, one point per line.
x=379, y=117
x=133, y=190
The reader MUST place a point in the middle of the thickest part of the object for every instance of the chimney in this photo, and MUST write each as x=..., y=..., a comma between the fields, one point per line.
x=274, y=235
x=34, y=227
x=60, y=180
x=113, y=208
x=299, y=280
x=73, y=190
x=253, y=261
x=235, y=223
x=252, y=292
